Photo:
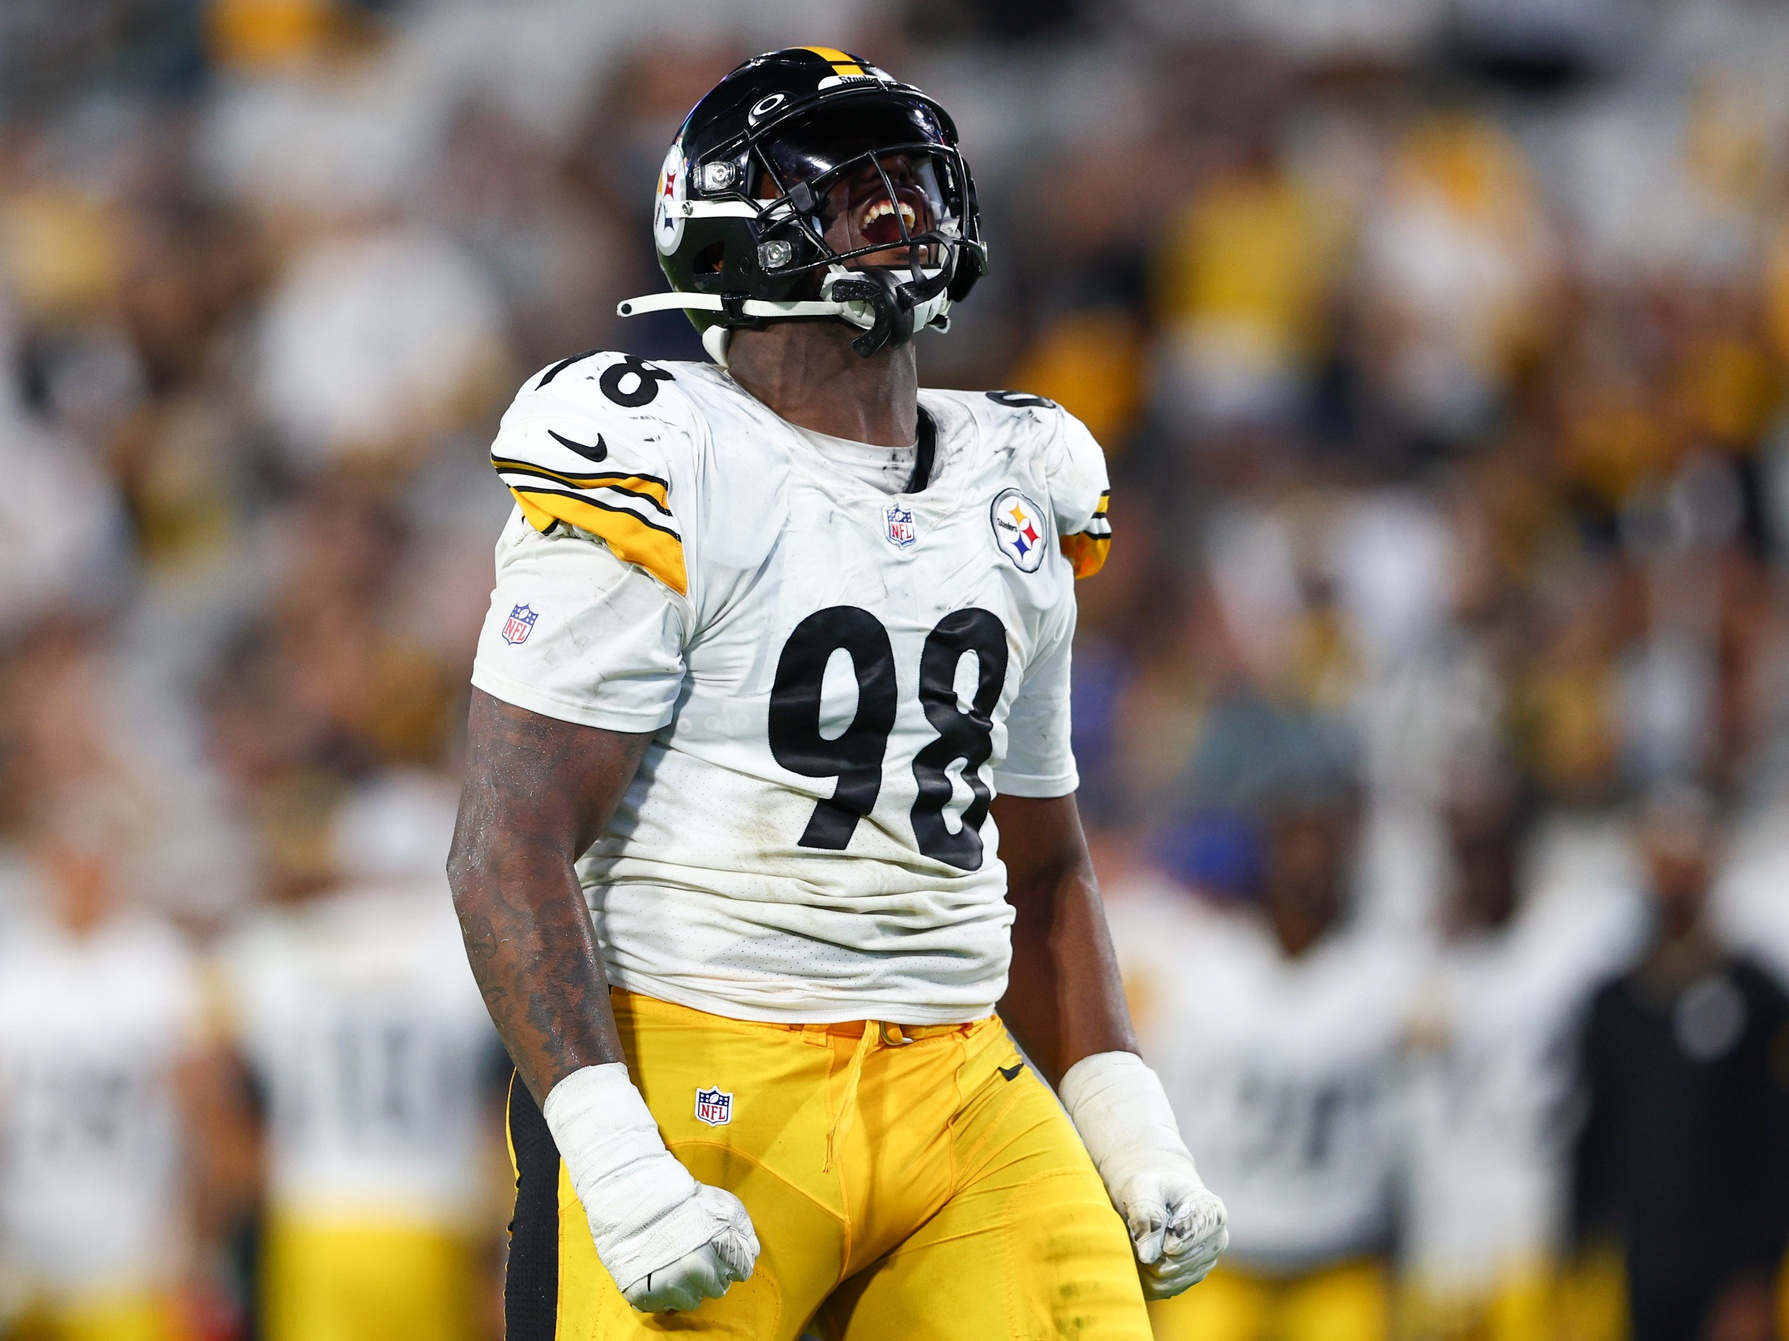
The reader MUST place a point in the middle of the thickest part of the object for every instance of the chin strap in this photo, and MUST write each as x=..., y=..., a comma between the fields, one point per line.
x=877, y=301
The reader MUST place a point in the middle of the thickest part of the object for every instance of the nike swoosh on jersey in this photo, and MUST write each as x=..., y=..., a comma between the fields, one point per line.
x=599, y=451
x=1011, y=1072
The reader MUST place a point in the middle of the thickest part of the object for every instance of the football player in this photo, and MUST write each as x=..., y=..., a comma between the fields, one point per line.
x=354, y=1011
x=102, y=1061
x=1278, y=1028
x=769, y=801
x=1490, y=1067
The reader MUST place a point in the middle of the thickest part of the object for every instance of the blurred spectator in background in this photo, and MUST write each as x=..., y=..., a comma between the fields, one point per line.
x=1487, y=1168
x=378, y=1073
x=1276, y=1024
x=1684, y=1155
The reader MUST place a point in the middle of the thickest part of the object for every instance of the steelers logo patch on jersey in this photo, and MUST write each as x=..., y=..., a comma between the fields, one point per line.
x=1019, y=527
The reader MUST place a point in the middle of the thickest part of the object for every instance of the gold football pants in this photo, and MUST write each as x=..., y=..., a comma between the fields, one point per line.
x=911, y=1184
x=365, y=1281
x=144, y=1315
x=1347, y=1302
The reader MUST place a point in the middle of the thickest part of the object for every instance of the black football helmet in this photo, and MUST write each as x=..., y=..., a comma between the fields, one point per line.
x=809, y=184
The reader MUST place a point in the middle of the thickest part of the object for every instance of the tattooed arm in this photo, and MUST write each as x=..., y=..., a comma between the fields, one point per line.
x=537, y=793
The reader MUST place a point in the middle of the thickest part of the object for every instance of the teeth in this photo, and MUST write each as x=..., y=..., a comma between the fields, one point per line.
x=882, y=209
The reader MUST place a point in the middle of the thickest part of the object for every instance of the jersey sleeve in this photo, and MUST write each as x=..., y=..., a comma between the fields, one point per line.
x=577, y=634
x=1079, y=492
x=1039, y=761
x=597, y=461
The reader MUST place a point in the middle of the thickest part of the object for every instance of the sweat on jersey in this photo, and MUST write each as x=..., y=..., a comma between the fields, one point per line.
x=839, y=680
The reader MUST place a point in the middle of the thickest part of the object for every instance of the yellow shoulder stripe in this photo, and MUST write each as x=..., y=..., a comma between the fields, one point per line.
x=657, y=549
x=1086, y=554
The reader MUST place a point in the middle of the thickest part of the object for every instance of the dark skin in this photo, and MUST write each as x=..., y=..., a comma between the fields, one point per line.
x=807, y=371
x=1679, y=855
x=1306, y=859
x=538, y=792
x=1486, y=841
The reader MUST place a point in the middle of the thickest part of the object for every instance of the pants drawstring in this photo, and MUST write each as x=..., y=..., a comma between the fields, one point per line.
x=841, y=1114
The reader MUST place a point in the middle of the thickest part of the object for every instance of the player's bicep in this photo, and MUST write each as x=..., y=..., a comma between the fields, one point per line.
x=538, y=786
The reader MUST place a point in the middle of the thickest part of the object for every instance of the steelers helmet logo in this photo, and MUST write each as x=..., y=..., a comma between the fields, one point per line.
x=1019, y=528
x=667, y=209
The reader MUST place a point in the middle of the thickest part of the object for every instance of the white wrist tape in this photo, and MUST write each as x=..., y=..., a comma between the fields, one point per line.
x=1118, y=1105
x=641, y=1202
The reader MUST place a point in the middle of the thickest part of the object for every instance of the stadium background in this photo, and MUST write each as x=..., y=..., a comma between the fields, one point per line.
x=1440, y=349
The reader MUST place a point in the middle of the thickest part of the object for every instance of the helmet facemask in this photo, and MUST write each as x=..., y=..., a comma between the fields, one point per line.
x=857, y=207
x=881, y=236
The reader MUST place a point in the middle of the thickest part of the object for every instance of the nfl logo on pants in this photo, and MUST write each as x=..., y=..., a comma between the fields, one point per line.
x=715, y=1107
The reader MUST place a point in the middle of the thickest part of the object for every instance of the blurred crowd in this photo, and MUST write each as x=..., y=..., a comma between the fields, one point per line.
x=1432, y=711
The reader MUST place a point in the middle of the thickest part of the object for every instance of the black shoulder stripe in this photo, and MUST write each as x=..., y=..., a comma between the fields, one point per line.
x=606, y=507
x=505, y=466
x=610, y=483
x=562, y=365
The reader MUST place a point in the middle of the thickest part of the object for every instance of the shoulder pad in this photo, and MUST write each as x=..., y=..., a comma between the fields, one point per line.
x=1075, y=469
x=591, y=442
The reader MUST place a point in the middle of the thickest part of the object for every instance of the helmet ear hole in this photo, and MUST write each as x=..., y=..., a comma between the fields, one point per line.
x=710, y=259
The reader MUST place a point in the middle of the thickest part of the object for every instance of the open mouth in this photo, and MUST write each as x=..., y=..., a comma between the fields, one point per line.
x=882, y=222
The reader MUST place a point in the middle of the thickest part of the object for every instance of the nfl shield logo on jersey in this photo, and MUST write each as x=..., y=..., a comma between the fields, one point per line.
x=899, y=525
x=1019, y=527
x=715, y=1107
x=519, y=624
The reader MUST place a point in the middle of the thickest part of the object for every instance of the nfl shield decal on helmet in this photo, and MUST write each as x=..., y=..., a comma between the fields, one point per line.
x=519, y=624
x=715, y=1107
x=898, y=526
x=1019, y=527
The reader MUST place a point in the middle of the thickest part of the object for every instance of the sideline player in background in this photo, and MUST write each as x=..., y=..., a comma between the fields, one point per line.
x=779, y=648
x=104, y=1101
x=1486, y=1170
x=1278, y=1027
x=378, y=1068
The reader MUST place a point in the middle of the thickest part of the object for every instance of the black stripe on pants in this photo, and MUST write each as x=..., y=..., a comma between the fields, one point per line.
x=531, y=1285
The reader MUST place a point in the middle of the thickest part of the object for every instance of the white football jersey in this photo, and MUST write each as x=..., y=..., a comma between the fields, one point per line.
x=91, y=1030
x=359, y=1015
x=1283, y=1072
x=1489, y=1079
x=840, y=679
